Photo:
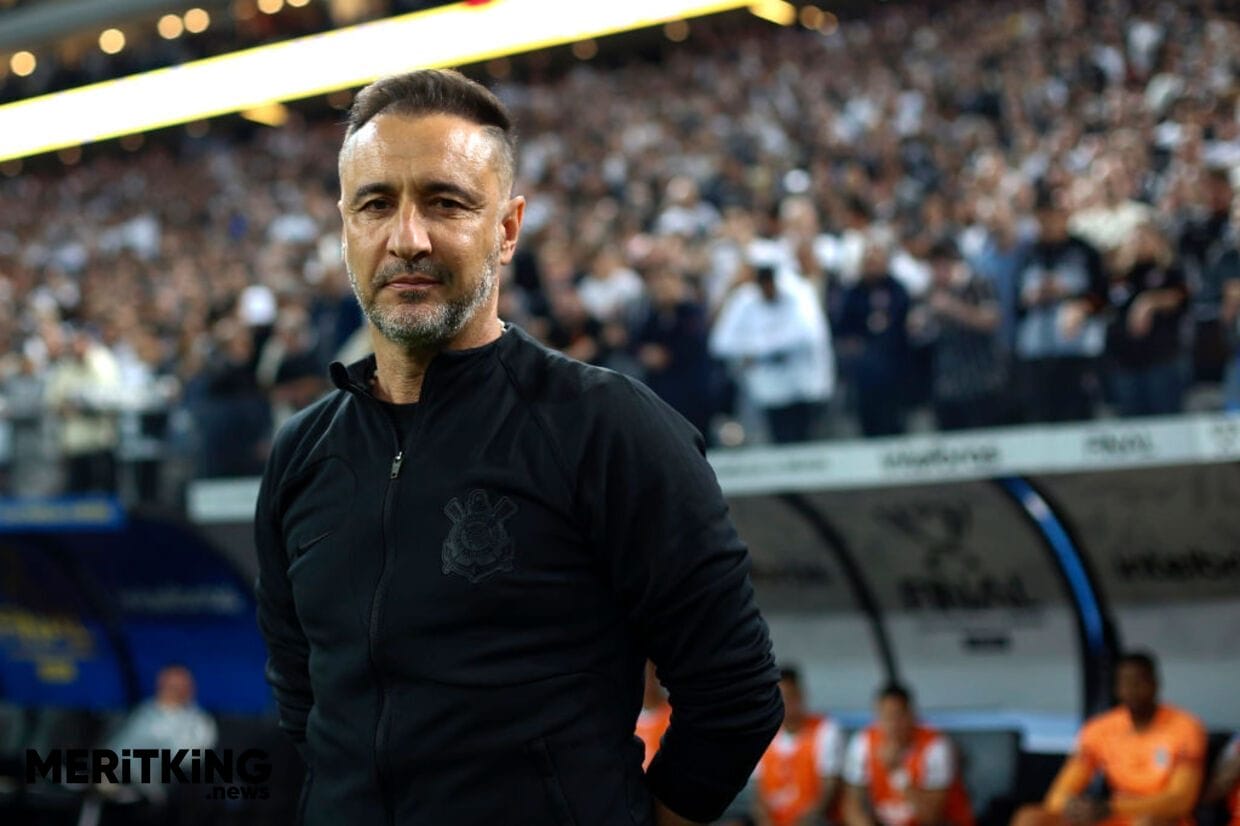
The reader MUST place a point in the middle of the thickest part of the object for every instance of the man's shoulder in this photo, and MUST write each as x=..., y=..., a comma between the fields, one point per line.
x=1106, y=724
x=1185, y=722
x=1081, y=245
x=311, y=415
x=304, y=425
x=859, y=743
x=564, y=386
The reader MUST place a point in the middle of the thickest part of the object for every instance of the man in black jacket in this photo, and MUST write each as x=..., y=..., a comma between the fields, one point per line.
x=468, y=550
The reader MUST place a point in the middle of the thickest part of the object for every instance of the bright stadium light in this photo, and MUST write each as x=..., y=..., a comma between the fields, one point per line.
x=585, y=49
x=676, y=31
x=197, y=21
x=111, y=41
x=458, y=34
x=779, y=12
x=270, y=114
x=170, y=26
x=812, y=17
x=23, y=64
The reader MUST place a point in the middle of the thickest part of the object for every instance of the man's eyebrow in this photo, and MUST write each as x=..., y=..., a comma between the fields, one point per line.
x=433, y=187
x=439, y=187
x=375, y=188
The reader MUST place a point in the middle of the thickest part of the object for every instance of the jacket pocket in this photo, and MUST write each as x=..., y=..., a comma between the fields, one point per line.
x=556, y=800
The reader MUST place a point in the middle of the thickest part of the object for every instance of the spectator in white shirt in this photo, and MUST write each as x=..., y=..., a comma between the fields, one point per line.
x=774, y=334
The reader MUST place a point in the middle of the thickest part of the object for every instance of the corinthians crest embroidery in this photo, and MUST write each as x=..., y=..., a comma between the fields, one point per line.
x=477, y=544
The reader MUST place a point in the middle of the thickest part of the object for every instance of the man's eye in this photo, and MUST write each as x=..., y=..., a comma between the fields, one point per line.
x=448, y=203
x=375, y=205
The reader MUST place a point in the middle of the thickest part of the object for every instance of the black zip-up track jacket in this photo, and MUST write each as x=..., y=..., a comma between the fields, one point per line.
x=457, y=619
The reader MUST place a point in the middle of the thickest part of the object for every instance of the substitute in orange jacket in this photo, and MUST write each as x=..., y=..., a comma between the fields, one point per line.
x=798, y=778
x=901, y=773
x=1149, y=753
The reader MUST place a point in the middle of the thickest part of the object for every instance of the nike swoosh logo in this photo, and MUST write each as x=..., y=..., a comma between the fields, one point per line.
x=313, y=541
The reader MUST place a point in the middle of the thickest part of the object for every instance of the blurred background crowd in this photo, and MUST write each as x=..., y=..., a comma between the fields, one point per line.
x=936, y=216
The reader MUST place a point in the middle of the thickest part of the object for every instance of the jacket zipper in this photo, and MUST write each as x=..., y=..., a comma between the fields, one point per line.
x=385, y=793
x=398, y=459
x=382, y=779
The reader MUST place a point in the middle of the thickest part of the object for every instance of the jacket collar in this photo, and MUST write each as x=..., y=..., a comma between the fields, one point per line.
x=357, y=377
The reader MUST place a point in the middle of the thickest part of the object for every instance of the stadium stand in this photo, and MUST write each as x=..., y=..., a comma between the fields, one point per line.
x=822, y=155
x=168, y=300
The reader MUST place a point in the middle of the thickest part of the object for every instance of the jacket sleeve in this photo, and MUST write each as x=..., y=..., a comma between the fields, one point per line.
x=682, y=575
x=287, y=648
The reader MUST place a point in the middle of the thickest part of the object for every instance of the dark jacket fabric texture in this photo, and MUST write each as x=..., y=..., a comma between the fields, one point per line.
x=457, y=618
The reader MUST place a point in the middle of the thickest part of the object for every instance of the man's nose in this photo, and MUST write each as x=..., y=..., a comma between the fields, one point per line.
x=410, y=238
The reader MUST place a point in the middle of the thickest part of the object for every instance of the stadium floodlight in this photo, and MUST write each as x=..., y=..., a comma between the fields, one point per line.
x=779, y=12
x=462, y=33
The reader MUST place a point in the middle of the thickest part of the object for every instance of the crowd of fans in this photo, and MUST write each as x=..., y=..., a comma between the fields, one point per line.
x=992, y=211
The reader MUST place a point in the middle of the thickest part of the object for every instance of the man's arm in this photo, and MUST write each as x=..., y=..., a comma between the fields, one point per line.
x=855, y=811
x=829, y=758
x=288, y=651
x=1231, y=299
x=1070, y=782
x=726, y=341
x=1174, y=802
x=821, y=804
x=929, y=800
x=928, y=805
x=855, y=808
x=682, y=574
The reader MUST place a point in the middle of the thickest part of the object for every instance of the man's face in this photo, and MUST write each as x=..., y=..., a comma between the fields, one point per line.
x=1221, y=195
x=942, y=271
x=1053, y=224
x=895, y=720
x=666, y=287
x=874, y=262
x=1135, y=687
x=427, y=223
x=175, y=686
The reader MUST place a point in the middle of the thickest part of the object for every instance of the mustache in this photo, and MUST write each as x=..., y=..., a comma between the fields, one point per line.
x=395, y=269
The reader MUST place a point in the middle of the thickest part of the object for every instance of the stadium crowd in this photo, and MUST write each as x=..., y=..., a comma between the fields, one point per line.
x=992, y=211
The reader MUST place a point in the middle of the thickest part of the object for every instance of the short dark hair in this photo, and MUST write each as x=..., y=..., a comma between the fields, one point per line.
x=1046, y=198
x=895, y=691
x=790, y=674
x=1219, y=174
x=434, y=92
x=1141, y=659
x=944, y=249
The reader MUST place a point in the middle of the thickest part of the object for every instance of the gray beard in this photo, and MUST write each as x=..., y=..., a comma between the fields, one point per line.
x=438, y=323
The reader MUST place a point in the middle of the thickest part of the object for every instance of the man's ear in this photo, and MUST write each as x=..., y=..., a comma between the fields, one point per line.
x=510, y=227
